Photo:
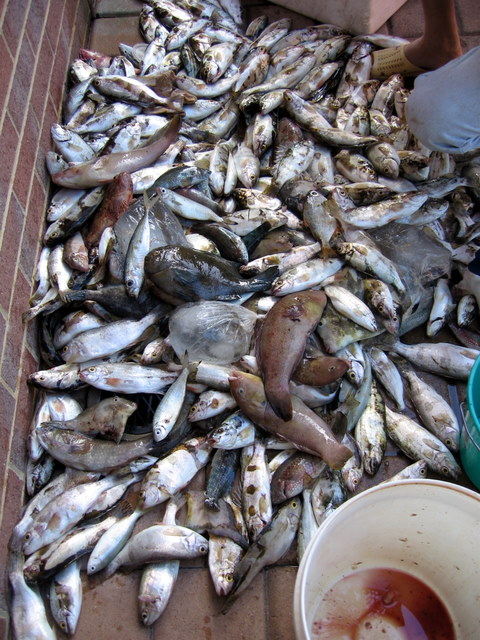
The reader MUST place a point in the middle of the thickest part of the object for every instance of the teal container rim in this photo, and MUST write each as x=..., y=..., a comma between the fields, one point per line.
x=472, y=378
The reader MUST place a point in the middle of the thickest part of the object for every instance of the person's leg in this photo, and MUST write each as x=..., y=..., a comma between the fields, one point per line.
x=440, y=41
x=439, y=44
x=443, y=110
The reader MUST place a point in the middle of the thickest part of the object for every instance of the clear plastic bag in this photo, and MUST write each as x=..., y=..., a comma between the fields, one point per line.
x=219, y=332
x=165, y=227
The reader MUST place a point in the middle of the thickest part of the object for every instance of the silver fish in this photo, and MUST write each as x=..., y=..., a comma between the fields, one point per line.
x=418, y=443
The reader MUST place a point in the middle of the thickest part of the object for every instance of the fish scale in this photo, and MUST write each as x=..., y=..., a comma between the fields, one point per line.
x=315, y=82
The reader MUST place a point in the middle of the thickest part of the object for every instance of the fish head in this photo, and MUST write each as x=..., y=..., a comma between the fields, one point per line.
x=223, y=581
x=33, y=537
x=93, y=374
x=222, y=436
x=150, y=607
x=247, y=389
x=196, y=544
x=151, y=495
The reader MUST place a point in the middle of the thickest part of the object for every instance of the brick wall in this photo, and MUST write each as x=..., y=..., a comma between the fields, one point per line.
x=38, y=40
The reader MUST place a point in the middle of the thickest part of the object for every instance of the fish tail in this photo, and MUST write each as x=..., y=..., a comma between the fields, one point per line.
x=280, y=401
x=265, y=278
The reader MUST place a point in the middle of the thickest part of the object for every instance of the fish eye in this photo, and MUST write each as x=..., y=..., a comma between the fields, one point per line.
x=144, y=615
x=423, y=472
x=203, y=549
x=63, y=625
x=65, y=348
x=448, y=442
x=294, y=504
x=445, y=471
x=331, y=367
x=92, y=369
x=229, y=577
x=41, y=378
x=115, y=398
x=27, y=536
x=129, y=282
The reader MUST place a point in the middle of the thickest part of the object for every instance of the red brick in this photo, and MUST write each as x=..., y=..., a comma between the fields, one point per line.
x=13, y=22
x=22, y=83
x=27, y=159
x=69, y=14
x=45, y=142
x=24, y=411
x=11, y=515
x=12, y=359
x=9, y=250
x=42, y=78
x=35, y=20
x=7, y=402
x=59, y=73
x=6, y=70
x=9, y=137
x=54, y=21
x=33, y=232
x=82, y=29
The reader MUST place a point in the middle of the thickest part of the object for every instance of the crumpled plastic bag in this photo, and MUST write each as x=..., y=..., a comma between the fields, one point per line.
x=420, y=259
x=219, y=332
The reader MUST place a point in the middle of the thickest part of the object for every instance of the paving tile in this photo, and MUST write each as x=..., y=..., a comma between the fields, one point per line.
x=108, y=32
x=111, y=608
x=194, y=611
x=280, y=586
x=468, y=16
x=109, y=8
x=469, y=42
x=407, y=22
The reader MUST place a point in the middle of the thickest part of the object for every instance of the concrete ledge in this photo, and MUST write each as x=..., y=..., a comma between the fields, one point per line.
x=357, y=16
x=108, y=32
x=113, y=8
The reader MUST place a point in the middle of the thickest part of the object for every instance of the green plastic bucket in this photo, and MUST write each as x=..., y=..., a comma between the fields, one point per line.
x=470, y=435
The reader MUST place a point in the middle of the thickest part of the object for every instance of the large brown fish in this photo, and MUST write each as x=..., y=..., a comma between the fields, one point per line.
x=281, y=343
x=103, y=169
x=320, y=370
x=116, y=201
x=306, y=430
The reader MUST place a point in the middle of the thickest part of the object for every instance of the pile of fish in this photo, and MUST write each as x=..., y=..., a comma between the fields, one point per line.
x=241, y=231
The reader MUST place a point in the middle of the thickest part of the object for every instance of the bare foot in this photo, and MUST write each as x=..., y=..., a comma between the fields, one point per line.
x=423, y=55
